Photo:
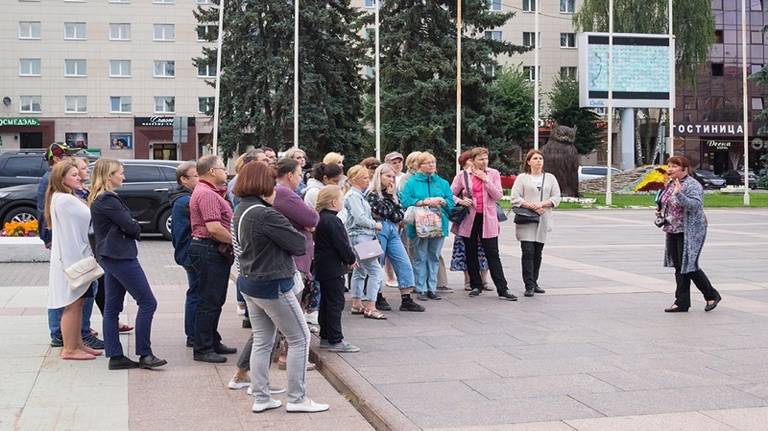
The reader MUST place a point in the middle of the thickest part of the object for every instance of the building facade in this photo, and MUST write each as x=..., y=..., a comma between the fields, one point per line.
x=110, y=74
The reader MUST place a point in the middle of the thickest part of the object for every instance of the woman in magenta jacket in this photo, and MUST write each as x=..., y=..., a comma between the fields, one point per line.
x=480, y=189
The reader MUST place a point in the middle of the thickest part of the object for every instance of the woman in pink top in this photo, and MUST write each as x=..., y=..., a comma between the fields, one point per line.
x=479, y=190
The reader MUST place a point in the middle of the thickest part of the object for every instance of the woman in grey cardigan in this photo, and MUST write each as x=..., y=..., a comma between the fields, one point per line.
x=527, y=193
x=686, y=227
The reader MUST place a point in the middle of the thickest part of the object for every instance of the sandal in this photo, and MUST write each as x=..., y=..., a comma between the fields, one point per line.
x=356, y=310
x=374, y=314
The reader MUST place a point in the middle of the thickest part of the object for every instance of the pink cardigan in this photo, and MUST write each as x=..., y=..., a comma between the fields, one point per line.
x=492, y=192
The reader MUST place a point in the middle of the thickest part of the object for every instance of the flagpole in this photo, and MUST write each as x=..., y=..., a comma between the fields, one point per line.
x=377, y=85
x=536, y=96
x=295, y=73
x=745, y=98
x=217, y=94
x=458, y=83
x=608, y=197
x=672, y=86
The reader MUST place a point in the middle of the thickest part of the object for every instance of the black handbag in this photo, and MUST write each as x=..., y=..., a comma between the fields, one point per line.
x=459, y=212
x=500, y=214
x=528, y=216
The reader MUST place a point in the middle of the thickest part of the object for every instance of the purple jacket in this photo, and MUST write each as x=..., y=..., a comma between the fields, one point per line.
x=492, y=192
x=301, y=216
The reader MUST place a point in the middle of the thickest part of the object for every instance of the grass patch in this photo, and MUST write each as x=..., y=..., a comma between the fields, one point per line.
x=758, y=199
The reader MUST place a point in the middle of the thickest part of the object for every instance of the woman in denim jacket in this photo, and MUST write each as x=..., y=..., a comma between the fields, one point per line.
x=362, y=227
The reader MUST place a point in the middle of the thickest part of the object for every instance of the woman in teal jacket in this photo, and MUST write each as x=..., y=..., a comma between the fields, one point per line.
x=427, y=189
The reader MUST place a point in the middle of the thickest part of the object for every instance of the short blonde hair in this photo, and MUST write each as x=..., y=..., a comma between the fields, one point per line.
x=410, y=161
x=356, y=171
x=333, y=158
x=326, y=196
x=423, y=158
x=292, y=152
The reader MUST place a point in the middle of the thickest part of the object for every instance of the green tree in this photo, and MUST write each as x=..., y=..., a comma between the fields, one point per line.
x=565, y=110
x=257, y=75
x=418, y=76
x=512, y=117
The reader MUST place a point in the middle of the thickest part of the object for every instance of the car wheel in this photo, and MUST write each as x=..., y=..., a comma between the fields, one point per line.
x=21, y=214
x=164, y=224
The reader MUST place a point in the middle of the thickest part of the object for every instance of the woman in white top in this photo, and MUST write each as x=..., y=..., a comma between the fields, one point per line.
x=527, y=193
x=69, y=218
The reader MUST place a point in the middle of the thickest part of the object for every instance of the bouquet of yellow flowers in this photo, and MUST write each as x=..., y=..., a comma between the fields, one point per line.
x=17, y=228
x=654, y=180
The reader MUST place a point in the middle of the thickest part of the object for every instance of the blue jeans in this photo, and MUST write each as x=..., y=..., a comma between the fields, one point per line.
x=54, y=316
x=370, y=268
x=121, y=276
x=213, y=279
x=426, y=262
x=190, y=306
x=394, y=250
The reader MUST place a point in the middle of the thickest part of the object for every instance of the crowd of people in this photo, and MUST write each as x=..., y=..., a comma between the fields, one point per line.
x=295, y=246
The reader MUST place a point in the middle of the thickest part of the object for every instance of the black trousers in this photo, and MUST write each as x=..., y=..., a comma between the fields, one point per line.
x=491, y=248
x=213, y=277
x=331, y=307
x=676, y=243
x=100, y=295
x=530, y=261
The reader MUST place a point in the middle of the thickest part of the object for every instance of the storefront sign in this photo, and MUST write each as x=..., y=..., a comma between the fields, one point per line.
x=155, y=121
x=76, y=140
x=19, y=121
x=719, y=145
x=710, y=129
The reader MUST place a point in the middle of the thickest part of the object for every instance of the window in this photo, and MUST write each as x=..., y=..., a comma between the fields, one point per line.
x=528, y=71
x=165, y=69
x=74, y=67
x=164, y=1
x=206, y=71
x=205, y=104
x=716, y=4
x=119, y=68
x=567, y=6
x=754, y=68
x=718, y=69
x=529, y=39
x=493, y=35
x=24, y=167
x=719, y=36
x=567, y=40
x=529, y=5
x=29, y=29
x=165, y=32
x=757, y=103
x=119, y=31
x=756, y=37
x=75, y=104
x=204, y=2
x=29, y=67
x=120, y=104
x=370, y=4
x=689, y=102
x=494, y=5
x=568, y=72
x=142, y=174
x=207, y=33
x=165, y=104
x=30, y=103
x=74, y=30
x=756, y=5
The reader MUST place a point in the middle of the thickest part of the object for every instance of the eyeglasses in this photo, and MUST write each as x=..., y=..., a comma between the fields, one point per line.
x=223, y=169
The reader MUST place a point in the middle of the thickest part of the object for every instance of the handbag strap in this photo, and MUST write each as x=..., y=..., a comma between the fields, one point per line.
x=543, y=177
x=466, y=184
x=242, y=216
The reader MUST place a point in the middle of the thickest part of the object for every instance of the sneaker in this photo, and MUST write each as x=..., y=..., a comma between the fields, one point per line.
x=314, y=329
x=434, y=296
x=57, y=342
x=343, y=347
x=324, y=344
x=444, y=289
x=409, y=305
x=271, y=404
x=238, y=384
x=382, y=304
x=422, y=297
x=273, y=390
x=311, y=318
x=507, y=295
x=240, y=309
x=307, y=406
x=474, y=292
x=93, y=342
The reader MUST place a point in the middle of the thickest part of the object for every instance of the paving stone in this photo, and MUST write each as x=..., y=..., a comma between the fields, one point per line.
x=542, y=386
x=748, y=419
x=691, y=421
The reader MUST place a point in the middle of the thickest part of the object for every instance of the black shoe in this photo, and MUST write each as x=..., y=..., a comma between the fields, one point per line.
x=434, y=296
x=190, y=342
x=507, y=295
x=211, y=357
x=537, y=289
x=409, y=305
x=151, y=361
x=422, y=297
x=122, y=363
x=529, y=292
x=676, y=309
x=382, y=304
x=712, y=306
x=57, y=342
x=93, y=342
x=247, y=323
x=474, y=292
x=222, y=349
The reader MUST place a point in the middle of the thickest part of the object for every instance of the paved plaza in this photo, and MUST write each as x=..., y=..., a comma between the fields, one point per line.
x=596, y=352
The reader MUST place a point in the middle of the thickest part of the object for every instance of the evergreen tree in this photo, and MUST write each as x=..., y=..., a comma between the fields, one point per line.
x=512, y=117
x=565, y=110
x=418, y=77
x=257, y=75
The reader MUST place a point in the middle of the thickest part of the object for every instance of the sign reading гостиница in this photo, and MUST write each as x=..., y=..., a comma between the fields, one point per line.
x=19, y=121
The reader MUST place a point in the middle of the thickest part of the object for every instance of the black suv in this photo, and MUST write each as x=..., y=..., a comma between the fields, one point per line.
x=22, y=167
x=146, y=190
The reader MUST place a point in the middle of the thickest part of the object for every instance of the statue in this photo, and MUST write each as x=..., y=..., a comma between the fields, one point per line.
x=561, y=159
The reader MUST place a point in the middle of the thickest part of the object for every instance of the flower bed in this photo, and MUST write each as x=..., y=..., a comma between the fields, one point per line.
x=17, y=229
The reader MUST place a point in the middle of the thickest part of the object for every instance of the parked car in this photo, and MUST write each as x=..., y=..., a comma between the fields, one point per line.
x=708, y=179
x=736, y=178
x=22, y=167
x=146, y=190
x=592, y=172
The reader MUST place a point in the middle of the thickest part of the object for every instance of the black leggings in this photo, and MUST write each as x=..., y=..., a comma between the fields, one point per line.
x=100, y=295
x=676, y=244
x=491, y=248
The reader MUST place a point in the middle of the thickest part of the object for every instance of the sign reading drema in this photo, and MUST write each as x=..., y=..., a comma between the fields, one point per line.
x=19, y=121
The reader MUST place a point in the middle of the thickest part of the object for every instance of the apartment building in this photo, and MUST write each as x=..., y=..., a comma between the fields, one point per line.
x=111, y=74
